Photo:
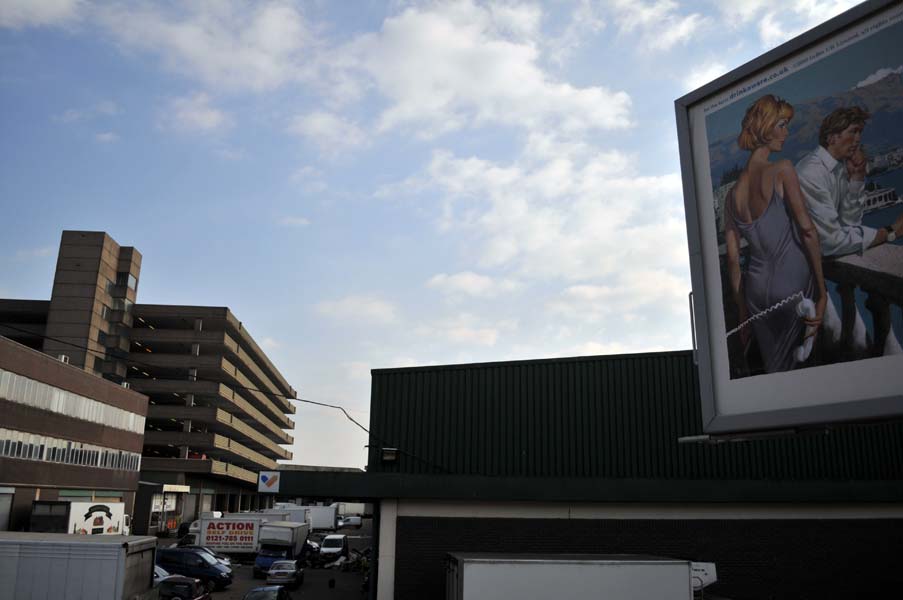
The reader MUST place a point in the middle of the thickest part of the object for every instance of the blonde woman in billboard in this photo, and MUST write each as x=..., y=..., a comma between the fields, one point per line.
x=767, y=209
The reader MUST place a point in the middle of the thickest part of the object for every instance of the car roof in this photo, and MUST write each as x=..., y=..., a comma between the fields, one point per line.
x=336, y=536
x=266, y=588
x=180, y=579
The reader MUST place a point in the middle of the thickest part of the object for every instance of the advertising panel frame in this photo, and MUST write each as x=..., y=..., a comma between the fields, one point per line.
x=705, y=287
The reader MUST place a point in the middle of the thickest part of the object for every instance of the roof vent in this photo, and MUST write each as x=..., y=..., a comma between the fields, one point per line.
x=63, y=358
x=126, y=384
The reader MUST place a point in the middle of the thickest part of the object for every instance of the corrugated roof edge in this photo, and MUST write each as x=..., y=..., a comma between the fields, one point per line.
x=533, y=361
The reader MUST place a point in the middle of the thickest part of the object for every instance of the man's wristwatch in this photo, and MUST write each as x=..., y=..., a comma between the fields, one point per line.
x=891, y=234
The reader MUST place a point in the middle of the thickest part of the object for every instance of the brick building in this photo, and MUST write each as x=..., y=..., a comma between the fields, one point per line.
x=64, y=434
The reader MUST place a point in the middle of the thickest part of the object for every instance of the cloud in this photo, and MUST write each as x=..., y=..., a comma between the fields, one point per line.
x=658, y=23
x=19, y=14
x=467, y=329
x=254, y=46
x=332, y=133
x=310, y=179
x=878, y=76
x=29, y=253
x=359, y=308
x=781, y=21
x=269, y=343
x=104, y=108
x=358, y=370
x=448, y=66
x=471, y=284
x=230, y=153
x=294, y=221
x=586, y=20
x=632, y=295
x=106, y=137
x=704, y=74
x=565, y=218
x=194, y=113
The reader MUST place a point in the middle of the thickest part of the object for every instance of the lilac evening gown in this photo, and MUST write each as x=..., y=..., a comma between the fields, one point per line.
x=777, y=269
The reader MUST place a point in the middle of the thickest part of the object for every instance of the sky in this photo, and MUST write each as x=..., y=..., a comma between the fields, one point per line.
x=373, y=184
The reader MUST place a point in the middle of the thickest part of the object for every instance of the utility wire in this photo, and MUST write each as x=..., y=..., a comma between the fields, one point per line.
x=131, y=362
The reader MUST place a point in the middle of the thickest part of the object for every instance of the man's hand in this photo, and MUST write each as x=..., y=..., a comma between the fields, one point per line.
x=856, y=165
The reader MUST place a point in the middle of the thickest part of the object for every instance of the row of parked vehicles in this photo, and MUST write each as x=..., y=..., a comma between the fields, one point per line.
x=280, y=550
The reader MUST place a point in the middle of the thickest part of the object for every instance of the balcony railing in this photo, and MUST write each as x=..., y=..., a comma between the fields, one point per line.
x=878, y=273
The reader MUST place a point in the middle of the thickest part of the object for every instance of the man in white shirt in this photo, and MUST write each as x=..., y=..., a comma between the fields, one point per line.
x=832, y=180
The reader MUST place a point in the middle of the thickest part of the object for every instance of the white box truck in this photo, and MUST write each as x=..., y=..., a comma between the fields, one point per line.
x=279, y=540
x=60, y=566
x=292, y=512
x=235, y=533
x=351, y=509
x=324, y=518
x=85, y=518
x=487, y=576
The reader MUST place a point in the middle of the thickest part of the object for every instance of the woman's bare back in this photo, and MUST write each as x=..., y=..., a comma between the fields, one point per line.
x=754, y=188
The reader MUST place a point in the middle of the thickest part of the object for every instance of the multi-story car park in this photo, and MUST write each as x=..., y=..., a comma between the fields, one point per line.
x=218, y=408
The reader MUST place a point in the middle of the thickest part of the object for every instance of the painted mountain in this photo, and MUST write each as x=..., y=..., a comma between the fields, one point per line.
x=883, y=99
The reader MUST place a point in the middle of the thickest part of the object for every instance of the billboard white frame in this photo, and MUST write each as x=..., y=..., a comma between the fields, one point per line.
x=854, y=391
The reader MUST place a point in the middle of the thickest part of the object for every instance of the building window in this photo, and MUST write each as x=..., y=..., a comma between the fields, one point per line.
x=32, y=446
x=23, y=390
x=102, y=337
x=127, y=279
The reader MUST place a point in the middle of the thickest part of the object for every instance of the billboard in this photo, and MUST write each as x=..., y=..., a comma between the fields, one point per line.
x=792, y=168
x=89, y=518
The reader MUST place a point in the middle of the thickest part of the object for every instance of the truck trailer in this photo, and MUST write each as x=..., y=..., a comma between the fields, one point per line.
x=234, y=533
x=59, y=566
x=279, y=540
x=324, y=518
x=291, y=512
x=487, y=576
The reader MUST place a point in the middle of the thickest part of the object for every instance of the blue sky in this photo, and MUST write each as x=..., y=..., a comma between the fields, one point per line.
x=373, y=184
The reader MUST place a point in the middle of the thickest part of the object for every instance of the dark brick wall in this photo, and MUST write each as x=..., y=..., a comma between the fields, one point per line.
x=756, y=559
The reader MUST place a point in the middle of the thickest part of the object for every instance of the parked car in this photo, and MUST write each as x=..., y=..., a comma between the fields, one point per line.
x=159, y=574
x=271, y=592
x=195, y=563
x=311, y=550
x=334, y=546
x=222, y=558
x=285, y=572
x=352, y=521
x=177, y=587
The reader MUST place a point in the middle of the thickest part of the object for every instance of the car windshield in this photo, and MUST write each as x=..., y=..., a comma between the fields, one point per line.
x=161, y=572
x=332, y=543
x=283, y=565
x=272, y=552
x=207, y=558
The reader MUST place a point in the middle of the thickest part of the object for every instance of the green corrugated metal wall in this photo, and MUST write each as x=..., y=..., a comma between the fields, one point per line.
x=608, y=417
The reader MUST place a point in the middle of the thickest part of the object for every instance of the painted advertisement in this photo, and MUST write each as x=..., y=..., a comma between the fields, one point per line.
x=90, y=518
x=808, y=171
x=797, y=179
x=230, y=535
